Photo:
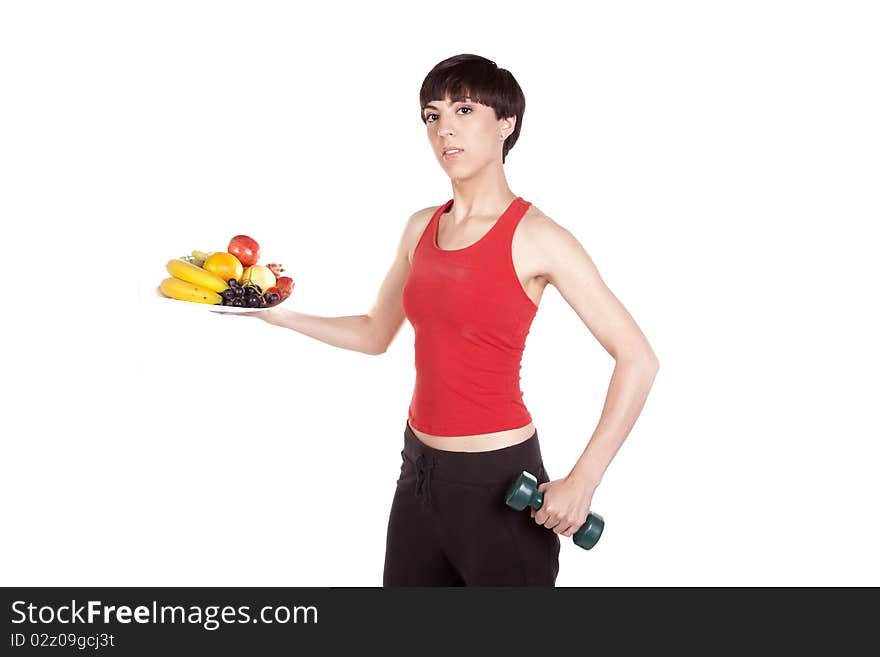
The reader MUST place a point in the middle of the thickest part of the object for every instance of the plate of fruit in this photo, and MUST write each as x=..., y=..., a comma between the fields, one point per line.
x=231, y=281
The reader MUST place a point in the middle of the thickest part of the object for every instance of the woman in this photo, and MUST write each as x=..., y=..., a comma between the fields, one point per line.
x=469, y=275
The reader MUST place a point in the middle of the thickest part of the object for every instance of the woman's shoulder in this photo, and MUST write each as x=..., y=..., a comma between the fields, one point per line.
x=419, y=219
x=425, y=214
x=539, y=232
x=415, y=227
x=535, y=222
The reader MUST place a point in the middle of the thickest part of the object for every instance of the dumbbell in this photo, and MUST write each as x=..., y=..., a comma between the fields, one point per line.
x=523, y=491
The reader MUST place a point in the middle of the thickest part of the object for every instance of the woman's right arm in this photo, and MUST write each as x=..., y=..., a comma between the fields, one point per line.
x=351, y=332
x=373, y=332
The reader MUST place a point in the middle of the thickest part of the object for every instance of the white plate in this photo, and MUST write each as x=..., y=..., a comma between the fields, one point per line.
x=214, y=307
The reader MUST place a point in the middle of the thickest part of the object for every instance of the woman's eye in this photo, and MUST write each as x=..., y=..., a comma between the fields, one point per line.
x=428, y=117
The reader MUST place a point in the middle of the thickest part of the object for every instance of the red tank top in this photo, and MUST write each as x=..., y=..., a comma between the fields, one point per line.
x=471, y=316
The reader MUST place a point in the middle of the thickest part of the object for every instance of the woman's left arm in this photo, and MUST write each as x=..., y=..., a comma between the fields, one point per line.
x=571, y=271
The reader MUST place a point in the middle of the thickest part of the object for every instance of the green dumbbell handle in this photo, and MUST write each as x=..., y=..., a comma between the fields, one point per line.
x=588, y=534
x=523, y=492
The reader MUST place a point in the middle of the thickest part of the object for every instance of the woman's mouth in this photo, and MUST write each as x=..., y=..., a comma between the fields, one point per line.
x=448, y=155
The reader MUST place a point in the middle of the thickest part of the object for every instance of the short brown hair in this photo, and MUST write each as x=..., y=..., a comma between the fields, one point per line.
x=481, y=80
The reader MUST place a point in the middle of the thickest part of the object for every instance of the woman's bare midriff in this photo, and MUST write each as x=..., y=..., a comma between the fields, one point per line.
x=482, y=442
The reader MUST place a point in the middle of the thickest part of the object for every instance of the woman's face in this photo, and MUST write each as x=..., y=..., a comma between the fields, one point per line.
x=469, y=126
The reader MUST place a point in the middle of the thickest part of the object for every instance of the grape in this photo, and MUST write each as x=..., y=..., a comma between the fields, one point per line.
x=272, y=297
x=233, y=283
x=228, y=294
x=253, y=302
x=237, y=302
x=239, y=292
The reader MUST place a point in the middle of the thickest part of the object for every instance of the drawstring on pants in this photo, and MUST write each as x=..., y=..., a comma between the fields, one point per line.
x=423, y=479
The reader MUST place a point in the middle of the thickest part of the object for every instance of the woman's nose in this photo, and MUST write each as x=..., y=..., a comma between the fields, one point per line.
x=443, y=127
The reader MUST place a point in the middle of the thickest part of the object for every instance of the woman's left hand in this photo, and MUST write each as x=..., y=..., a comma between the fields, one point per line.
x=566, y=505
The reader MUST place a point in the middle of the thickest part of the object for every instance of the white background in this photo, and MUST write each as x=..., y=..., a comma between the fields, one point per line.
x=718, y=161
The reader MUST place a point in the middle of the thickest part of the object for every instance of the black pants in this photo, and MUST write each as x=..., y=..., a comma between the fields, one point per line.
x=449, y=524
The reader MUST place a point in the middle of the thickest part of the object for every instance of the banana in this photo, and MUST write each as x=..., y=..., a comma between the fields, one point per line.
x=184, y=291
x=187, y=271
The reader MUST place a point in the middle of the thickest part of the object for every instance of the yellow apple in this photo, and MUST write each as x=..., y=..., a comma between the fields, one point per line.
x=258, y=275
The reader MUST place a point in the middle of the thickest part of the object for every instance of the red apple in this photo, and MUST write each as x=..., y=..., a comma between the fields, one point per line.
x=245, y=249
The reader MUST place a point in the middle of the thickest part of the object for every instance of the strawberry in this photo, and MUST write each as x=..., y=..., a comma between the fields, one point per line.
x=285, y=284
x=275, y=268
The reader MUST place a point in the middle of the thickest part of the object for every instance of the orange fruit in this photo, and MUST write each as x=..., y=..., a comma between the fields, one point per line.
x=225, y=265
